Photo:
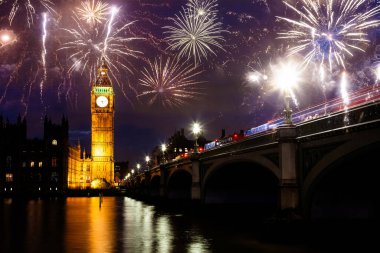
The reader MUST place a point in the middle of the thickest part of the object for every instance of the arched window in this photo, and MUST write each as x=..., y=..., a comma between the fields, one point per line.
x=54, y=142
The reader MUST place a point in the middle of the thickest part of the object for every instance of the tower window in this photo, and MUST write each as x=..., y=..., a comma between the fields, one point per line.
x=54, y=142
x=39, y=164
x=31, y=164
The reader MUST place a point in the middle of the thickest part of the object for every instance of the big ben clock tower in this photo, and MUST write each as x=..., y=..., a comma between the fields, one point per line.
x=102, y=127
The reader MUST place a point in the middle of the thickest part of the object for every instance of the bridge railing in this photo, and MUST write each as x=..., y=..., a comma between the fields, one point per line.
x=342, y=120
x=249, y=143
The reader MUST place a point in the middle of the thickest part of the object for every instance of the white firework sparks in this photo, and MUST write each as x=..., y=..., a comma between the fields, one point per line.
x=109, y=28
x=328, y=30
x=93, y=12
x=206, y=8
x=170, y=83
x=195, y=36
x=87, y=47
x=29, y=6
x=43, y=54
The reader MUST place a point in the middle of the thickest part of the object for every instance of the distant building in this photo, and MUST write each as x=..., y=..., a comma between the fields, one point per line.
x=177, y=145
x=33, y=166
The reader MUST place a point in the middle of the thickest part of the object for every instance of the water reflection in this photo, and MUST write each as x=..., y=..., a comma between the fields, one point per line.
x=125, y=225
x=163, y=234
x=89, y=227
x=145, y=231
x=31, y=225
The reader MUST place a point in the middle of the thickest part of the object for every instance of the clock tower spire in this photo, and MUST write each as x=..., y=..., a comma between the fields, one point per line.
x=102, y=129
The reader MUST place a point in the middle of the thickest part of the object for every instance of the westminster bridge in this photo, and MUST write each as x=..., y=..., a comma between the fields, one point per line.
x=328, y=166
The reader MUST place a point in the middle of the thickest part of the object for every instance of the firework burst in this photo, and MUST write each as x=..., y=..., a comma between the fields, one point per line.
x=329, y=29
x=7, y=37
x=30, y=8
x=169, y=83
x=195, y=36
x=93, y=12
x=87, y=46
x=201, y=8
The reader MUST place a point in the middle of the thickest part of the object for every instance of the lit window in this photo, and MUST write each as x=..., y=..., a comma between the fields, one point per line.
x=9, y=177
x=54, y=162
x=54, y=142
x=31, y=164
x=39, y=164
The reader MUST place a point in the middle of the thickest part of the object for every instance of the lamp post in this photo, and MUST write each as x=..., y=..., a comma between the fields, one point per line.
x=286, y=78
x=163, y=149
x=287, y=110
x=147, y=159
x=138, y=166
x=196, y=131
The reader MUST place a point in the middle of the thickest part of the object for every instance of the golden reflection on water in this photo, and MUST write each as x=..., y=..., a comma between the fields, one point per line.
x=71, y=225
x=89, y=227
x=123, y=225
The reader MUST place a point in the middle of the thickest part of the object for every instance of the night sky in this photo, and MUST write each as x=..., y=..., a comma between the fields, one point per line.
x=228, y=100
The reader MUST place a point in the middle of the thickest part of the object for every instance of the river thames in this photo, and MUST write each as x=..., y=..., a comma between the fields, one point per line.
x=122, y=224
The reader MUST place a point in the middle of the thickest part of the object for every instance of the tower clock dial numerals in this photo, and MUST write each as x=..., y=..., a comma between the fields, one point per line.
x=102, y=101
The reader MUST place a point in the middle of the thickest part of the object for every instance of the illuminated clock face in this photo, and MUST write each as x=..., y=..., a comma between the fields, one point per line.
x=102, y=101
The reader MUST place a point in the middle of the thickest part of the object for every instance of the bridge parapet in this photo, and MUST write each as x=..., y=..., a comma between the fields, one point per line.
x=254, y=142
x=331, y=124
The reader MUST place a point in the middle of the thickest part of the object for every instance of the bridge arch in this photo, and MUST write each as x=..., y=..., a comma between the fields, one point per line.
x=154, y=185
x=342, y=184
x=260, y=160
x=179, y=184
x=242, y=181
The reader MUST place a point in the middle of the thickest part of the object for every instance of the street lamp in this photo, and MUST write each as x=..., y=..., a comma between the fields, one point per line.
x=163, y=149
x=147, y=159
x=138, y=166
x=287, y=77
x=196, y=131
